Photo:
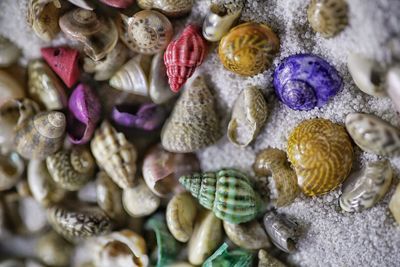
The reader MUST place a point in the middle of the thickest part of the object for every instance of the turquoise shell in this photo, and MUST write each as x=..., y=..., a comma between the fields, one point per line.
x=235, y=258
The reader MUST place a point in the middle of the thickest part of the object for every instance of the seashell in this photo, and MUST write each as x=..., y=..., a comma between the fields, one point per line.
x=328, y=17
x=206, y=237
x=11, y=169
x=53, y=250
x=159, y=89
x=227, y=193
x=32, y=214
x=97, y=34
x=118, y=3
x=41, y=136
x=249, y=235
x=115, y=154
x=162, y=169
x=266, y=260
x=248, y=49
x=249, y=115
x=139, y=201
x=105, y=68
x=282, y=231
x=223, y=258
x=9, y=52
x=85, y=4
x=147, y=32
x=147, y=116
x=305, y=81
x=321, y=154
x=44, y=87
x=373, y=134
x=394, y=204
x=273, y=162
x=181, y=214
x=43, y=17
x=183, y=56
x=175, y=8
x=363, y=189
x=43, y=188
x=12, y=263
x=193, y=124
x=180, y=264
x=71, y=169
x=393, y=85
x=9, y=88
x=64, y=62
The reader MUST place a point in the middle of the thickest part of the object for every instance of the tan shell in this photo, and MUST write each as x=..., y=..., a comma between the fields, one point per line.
x=248, y=117
x=43, y=17
x=53, y=250
x=393, y=85
x=394, y=204
x=171, y=8
x=9, y=88
x=159, y=89
x=115, y=154
x=9, y=52
x=248, y=235
x=266, y=260
x=12, y=167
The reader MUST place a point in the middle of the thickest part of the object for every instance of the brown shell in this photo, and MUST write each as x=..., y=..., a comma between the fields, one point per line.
x=43, y=17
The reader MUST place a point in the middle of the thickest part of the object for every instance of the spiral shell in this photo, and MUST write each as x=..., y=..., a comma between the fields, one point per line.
x=159, y=89
x=328, y=17
x=193, y=124
x=373, y=134
x=11, y=169
x=248, y=117
x=115, y=154
x=237, y=257
x=41, y=136
x=147, y=32
x=9, y=88
x=249, y=235
x=248, y=48
x=282, y=231
x=43, y=17
x=53, y=250
x=228, y=193
x=305, y=81
x=393, y=85
x=171, y=8
x=266, y=260
x=365, y=188
x=394, y=204
x=9, y=52
x=322, y=155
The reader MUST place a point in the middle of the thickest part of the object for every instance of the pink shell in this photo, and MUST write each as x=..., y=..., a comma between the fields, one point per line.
x=118, y=3
x=183, y=55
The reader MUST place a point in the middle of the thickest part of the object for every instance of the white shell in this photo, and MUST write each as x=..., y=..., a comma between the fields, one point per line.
x=83, y=4
x=9, y=52
x=393, y=85
x=9, y=88
x=159, y=88
x=394, y=204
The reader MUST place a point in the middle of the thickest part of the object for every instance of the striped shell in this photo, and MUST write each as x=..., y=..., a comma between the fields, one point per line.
x=321, y=154
x=282, y=231
x=12, y=167
x=250, y=235
x=54, y=250
x=248, y=49
x=9, y=52
x=266, y=260
x=394, y=204
x=365, y=188
x=228, y=193
x=115, y=154
x=249, y=115
x=328, y=17
x=9, y=88
x=171, y=8
x=43, y=17
x=373, y=134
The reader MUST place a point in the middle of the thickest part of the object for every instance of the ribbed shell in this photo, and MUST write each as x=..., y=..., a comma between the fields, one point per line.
x=322, y=155
x=282, y=231
x=171, y=8
x=9, y=52
x=43, y=17
x=9, y=88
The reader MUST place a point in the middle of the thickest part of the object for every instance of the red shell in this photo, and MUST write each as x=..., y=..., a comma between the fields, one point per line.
x=64, y=62
x=118, y=3
x=183, y=55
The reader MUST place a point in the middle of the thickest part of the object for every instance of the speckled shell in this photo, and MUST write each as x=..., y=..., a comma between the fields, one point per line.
x=365, y=188
x=393, y=85
x=321, y=154
x=11, y=169
x=159, y=89
x=44, y=87
x=373, y=134
x=171, y=8
x=9, y=52
x=248, y=117
x=43, y=17
x=53, y=250
x=9, y=88
x=147, y=32
x=228, y=193
x=41, y=136
x=109, y=197
x=266, y=260
x=248, y=49
x=71, y=169
x=282, y=231
x=394, y=204
x=193, y=124
x=273, y=162
x=250, y=235
x=115, y=154
x=328, y=17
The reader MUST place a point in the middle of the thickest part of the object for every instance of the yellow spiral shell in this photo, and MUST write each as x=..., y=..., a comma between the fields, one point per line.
x=322, y=155
x=248, y=49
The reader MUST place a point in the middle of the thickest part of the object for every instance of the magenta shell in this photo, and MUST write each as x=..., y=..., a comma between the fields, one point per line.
x=183, y=56
x=118, y=3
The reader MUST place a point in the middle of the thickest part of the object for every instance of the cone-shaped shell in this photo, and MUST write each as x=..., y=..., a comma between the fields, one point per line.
x=193, y=124
x=9, y=88
x=43, y=17
x=9, y=52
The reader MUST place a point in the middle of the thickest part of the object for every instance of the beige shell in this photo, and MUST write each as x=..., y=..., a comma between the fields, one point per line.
x=44, y=87
x=394, y=204
x=171, y=8
x=159, y=89
x=9, y=52
x=266, y=260
x=194, y=123
x=393, y=85
x=248, y=235
x=43, y=17
x=147, y=32
x=181, y=214
x=180, y=264
x=328, y=17
x=115, y=154
x=248, y=117
x=53, y=250
x=9, y=88
x=12, y=167
x=98, y=34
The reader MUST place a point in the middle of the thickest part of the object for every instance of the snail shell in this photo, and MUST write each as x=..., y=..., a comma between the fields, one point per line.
x=282, y=231
x=9, y=88
x=328, y=17
x=393, y=85
x=193, y=124
x=11, y=169
x=53, y=250
x=85, y=4
x=222, y=256
x=248, y=117
x=373, y=134
x=43, y=17
x=9, y=52
x=99, y=35
x=248, y=235
x=159, y=89
x=394, y=204
x=41, y=136
x=365, y=188
x=321, y=154
x=71, y=169
x=171, y=8
x=273, y=162
x=266, y=260
x=115, y=154
x=147, y=32
x=248, y=48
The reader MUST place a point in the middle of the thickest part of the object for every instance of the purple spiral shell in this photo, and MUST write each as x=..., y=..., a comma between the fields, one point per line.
x=305, y=81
